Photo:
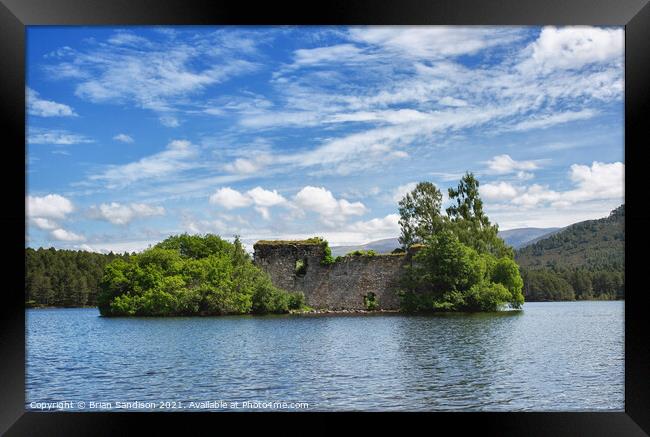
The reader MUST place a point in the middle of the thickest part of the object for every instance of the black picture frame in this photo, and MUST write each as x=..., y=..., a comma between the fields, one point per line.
x=16, y=14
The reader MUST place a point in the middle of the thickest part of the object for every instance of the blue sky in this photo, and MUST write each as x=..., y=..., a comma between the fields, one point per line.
x=136, y=133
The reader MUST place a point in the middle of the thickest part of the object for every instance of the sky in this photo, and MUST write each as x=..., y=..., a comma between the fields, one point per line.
x=138, y=133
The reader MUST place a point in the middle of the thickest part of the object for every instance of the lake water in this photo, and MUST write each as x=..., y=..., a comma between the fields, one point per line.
x=555, y=356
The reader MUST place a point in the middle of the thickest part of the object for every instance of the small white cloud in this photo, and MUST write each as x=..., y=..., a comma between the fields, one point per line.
x=43, y=223
x=503, y=164
x=122, y=214
x=124, y=138
x=169, y=121
x=265, y=198
x=500, y=191
x=63, y=235
x=331, y=210
x=61, y=137
x=230, y=199
x=46, y=108
x=51, y=206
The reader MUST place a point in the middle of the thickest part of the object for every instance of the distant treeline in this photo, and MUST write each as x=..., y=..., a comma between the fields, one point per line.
x=64, y=277
x=576, y=284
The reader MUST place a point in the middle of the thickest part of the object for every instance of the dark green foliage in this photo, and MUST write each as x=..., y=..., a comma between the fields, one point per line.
x=593, y=245
x=447, y=275
x=64, y=277
x=189, y=275
x=370, y=301
x=327, y=257
x=583, y=261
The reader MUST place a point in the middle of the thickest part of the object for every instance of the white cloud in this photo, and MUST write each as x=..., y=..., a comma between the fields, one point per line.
x=341, y=53
x=62, y=137
x=499, y=191
x=51, y=206
x=170, y=69
x=575, y=46
x=124, y=138
x=43, y=223
x=503, y=164
x=433, y=42
x=330, y=209
x=46, y=108
x=402, y=190
x=230, y=199
x=544, y=121
x=122, y=214
x=248, y=166
x=177, y=156
x=64, y=235
x=598, y=182
x=262, y=197
x=258, y=196
x=452, y=101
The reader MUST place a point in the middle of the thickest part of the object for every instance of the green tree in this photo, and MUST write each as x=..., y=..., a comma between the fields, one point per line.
x=470, y=223
x=191, y=274
x=419, y=213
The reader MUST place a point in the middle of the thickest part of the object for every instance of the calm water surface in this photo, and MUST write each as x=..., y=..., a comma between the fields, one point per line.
x=550, y=356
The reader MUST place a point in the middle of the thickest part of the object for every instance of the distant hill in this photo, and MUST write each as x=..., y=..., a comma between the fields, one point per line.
x=386, y=245
x=523, y=236
x=514, y=237
x=591, y=245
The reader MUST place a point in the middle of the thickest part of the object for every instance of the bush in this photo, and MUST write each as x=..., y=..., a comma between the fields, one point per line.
x=187, y=275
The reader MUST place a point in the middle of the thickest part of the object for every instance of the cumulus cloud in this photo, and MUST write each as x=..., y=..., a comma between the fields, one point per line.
x=64, y=235
x=51, y=206
x=230, y=199
x=499, y=191
x=323, y=202
x=43, y=223
x=258, y=196
x=122, y=214
x=46, y=108
x=600, y=181
x=123, y=138
x=503, y=164
x=575, y=46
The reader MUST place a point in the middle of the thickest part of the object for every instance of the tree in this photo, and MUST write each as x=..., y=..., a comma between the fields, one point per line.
x=470, y=223
x=191, y=274
x=447, y=275
x=419, y=213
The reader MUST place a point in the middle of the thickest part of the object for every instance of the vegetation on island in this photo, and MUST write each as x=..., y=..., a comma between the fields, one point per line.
x=461, y=264
x=191, y=275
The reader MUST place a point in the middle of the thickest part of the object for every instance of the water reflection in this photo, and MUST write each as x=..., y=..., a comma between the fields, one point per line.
x=551, y=356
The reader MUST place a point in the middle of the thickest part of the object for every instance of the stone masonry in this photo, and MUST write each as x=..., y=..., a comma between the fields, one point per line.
x=339, y=286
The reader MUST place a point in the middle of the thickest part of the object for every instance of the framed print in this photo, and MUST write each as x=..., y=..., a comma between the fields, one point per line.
x=416, y=209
